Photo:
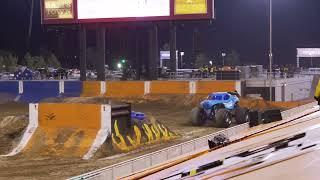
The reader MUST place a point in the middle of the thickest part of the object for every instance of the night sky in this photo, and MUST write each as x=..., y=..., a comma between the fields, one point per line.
x=241, y=25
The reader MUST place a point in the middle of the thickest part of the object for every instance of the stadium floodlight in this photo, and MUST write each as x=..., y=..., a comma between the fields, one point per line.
x=119, y=65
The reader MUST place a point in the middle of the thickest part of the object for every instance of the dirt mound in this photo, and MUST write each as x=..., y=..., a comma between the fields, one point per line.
x=11, y=129
x=183, y=101
x=258, y=104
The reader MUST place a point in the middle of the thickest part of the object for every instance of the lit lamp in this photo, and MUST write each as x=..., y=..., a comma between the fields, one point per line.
x=119, y=65
x=223, y=55
x=181, y=54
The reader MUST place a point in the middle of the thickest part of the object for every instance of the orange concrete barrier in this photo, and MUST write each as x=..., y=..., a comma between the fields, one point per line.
x=125, y=88
x=65, y=130
x=206, y=87
x=169, y=87
x=91, y=89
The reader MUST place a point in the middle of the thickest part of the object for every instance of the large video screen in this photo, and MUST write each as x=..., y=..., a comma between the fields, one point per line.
x=58, y=9
x=99, y=9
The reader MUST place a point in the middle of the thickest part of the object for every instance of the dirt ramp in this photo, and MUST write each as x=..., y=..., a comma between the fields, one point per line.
x=11, y=129
x=65, y=130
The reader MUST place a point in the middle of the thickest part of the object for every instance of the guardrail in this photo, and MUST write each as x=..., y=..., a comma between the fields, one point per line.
x=157, y=157
x=292, y=113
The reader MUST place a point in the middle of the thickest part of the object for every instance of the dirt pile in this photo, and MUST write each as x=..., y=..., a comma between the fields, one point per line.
x=258, y=104
x=11, y=129
x=181, y=101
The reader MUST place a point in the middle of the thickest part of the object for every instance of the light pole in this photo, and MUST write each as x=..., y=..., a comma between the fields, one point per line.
x=223, y=55
x=181, y=54
x=270, y=48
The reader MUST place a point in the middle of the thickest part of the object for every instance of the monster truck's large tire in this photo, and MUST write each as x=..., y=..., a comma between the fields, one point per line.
x=242, y=115
x=223, y=118
x=198, y=116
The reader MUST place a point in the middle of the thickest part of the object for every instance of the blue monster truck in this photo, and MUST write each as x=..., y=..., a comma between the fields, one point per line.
x=220, y=108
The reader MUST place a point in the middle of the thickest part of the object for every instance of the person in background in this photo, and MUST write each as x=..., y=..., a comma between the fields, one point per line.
x=317, y=93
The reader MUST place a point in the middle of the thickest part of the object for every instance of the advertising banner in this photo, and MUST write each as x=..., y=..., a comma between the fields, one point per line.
x=58, y=9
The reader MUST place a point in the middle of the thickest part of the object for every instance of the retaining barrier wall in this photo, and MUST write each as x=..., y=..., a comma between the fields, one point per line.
x=35, y=91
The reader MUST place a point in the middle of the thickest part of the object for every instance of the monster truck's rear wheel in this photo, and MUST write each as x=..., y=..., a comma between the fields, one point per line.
x=198, y=116
x=242, y=115
x=223, y=118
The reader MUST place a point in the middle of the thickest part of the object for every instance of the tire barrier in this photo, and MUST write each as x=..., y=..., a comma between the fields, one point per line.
x=35, y=91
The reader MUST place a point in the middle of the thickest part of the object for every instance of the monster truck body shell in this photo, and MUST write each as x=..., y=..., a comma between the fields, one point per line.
x=224, y=99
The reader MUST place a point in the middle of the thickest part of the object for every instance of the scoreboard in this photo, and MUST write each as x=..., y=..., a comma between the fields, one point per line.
x=86, y=11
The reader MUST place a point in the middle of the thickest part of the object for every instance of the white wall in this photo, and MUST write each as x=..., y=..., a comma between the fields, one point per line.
x=296, y=88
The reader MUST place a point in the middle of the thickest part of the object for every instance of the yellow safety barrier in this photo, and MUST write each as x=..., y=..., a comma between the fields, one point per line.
x=169, y=87
x=91, y=89
x=125, y=88
x=206, y=87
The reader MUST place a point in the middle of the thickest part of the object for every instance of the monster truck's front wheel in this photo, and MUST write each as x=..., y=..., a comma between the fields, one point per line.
x=198, y=116
x=242, y=115
x=223, y=118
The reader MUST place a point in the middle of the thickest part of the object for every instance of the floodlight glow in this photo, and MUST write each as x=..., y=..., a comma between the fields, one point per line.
x=308, y=52
x=96, y=9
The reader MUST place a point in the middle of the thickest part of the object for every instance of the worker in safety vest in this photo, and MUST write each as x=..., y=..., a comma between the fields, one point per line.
x=317, y=93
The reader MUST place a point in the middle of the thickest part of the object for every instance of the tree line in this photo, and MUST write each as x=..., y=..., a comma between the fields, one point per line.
x=9, y=61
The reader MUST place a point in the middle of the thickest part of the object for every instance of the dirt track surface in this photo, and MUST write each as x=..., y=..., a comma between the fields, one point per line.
x=172, y=111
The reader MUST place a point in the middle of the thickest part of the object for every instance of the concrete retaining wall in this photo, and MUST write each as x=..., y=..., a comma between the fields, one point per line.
x=72, y=88
x=206, y=87
x=35, y=91
x=169, y=87
x=125, y=88
x=140, y=88
x=9, y=90
x=9, y=87
x=92, y=88
x=290, y=89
